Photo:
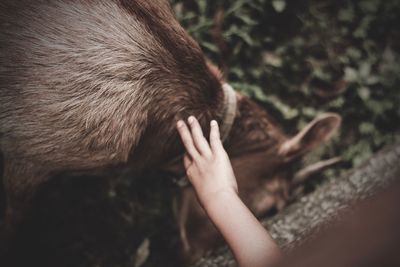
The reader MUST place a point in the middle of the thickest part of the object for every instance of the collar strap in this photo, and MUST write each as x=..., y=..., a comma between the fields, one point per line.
x=229, y=112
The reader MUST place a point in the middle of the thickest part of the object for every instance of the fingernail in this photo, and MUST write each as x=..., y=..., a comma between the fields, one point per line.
x=191, y=119
x=213, y=123
x=179, y=123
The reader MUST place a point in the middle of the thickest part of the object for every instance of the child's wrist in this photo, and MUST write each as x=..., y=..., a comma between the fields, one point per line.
x=217, y=197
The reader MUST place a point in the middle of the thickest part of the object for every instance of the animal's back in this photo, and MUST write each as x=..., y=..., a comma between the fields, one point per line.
x=69, y=68
x=74, y=80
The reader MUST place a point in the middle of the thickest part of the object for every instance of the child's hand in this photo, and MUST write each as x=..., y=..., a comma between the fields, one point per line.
x=210, y=171
x=207, y=166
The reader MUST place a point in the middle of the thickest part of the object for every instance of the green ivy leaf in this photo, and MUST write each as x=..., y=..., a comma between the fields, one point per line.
x=346, y=14
x=354, y=53
x=350, y=74
x=238, y=4
x=364, y=69
x=279, y=5
x=364, y=93
x=370, y=6
x=367, y=128
x=247, y=19
x=210, y=46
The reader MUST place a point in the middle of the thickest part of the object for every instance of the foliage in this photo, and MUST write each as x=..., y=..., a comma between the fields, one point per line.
x=301, y=58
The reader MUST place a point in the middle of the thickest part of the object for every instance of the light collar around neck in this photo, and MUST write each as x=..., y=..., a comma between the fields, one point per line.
x=229, y=111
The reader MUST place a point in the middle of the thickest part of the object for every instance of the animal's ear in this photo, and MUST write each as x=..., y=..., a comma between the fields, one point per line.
x=316, y=132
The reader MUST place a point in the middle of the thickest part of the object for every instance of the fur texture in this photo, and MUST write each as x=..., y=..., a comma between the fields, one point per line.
x=90, y=85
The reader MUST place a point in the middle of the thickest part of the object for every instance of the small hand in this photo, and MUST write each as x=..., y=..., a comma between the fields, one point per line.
x=209, y=169
x=207, y=165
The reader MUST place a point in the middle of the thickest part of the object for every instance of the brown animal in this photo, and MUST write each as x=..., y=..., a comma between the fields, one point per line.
x=260, y=154
x=93, y=86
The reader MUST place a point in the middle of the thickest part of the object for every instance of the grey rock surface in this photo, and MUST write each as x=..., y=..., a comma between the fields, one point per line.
x=309, y=213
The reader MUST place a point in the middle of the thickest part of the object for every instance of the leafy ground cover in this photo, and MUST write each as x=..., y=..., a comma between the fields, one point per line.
x=301, y=58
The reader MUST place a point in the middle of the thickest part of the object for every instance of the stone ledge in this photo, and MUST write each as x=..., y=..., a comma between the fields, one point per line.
x=298, y=220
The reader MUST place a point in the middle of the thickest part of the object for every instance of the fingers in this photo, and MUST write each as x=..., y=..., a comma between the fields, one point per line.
x=194, y=140
x=187, y=139
x=198, y=138
x=215, y=139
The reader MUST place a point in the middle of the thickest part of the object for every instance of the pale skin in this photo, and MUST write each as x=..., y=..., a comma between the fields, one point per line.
x=210, y=171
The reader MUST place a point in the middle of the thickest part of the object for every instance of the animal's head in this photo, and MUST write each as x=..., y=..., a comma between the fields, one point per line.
x=261, y=153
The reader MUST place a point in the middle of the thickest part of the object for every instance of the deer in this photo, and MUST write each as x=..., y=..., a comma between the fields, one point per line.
x=94, y=87
x=261, y=155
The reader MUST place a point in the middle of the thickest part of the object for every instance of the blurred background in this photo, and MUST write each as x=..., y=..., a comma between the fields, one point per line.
x=296, y=58
x=300, y=58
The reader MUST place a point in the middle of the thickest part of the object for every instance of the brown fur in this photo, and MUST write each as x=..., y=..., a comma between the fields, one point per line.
x=86, y=86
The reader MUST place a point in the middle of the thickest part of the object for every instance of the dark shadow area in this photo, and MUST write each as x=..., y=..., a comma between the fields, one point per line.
x=92, y=221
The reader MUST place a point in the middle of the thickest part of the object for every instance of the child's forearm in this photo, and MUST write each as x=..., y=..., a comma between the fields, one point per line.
x=249, y=241
x=209, y=170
